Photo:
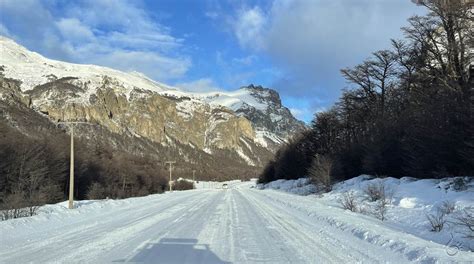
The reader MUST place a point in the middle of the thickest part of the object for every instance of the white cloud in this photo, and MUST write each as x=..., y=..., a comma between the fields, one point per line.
x=232, y=72
x=142, y=40
x=248, y=27
x=151, y=64
x=200, y=85
x=312, y=40
x=73, y=29
x=4, y=31
x=117, y=34
x=306, y=112
x=211, y=14
x=246, y=61
x=118, y=15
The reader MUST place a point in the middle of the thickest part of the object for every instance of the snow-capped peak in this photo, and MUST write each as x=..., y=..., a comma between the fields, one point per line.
x=32, y=69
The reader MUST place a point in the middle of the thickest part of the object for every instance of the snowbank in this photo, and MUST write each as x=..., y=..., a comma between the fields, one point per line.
x=300, y=186
x=410, y=202
x=216, y=184
x=59, y=212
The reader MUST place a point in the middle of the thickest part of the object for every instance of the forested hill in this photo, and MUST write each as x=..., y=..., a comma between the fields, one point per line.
x=408, y=110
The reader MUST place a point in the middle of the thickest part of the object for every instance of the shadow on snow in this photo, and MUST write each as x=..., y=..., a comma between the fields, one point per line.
x=175, y=250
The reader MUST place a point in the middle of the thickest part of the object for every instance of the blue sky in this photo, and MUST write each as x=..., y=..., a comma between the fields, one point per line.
x=294, y=46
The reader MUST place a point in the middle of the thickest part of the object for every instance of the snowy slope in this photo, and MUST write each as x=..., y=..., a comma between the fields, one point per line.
x=33, y=69
x=411, y=201
x=233, y=100
x=238, y=225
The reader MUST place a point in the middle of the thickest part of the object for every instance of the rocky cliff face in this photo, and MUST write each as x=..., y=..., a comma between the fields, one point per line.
x=143, y=114
x=272, y=122
x=132, y=105
x=275, y=118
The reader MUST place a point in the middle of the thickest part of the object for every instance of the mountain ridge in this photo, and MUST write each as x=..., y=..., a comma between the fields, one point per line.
x=32, y=69
x=240, y=121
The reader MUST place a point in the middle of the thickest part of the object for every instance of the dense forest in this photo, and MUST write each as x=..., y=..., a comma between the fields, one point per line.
x=407, y=110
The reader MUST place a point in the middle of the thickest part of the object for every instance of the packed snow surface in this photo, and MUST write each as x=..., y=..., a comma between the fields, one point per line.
x=240, y=224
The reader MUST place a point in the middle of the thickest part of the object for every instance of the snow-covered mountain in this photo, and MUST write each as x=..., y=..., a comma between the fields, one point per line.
x=32, y=70
x=250, y=122
x=273, y=123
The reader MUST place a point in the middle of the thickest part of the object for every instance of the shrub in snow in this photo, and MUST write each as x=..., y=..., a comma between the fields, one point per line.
x=12, y=206
x=436, y=220
x=320, y=172
x=447, y=207
x=465, y=219
x=382, y=195
x=381, y=208
x=375, y=191
x=96, y=191
x=25, y=201
x=182, y=185
x=349, y=201
x=459, y=184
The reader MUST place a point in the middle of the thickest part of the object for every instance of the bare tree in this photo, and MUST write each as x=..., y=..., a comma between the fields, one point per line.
x=27, y=175
x=96, y=191
x=349, y=201
x=375, y=191
x=381, y=208
x=382, y=70
x=375, y=76
x=320, y=172
x=14, y=205
x=382, y=196
x=446, y=33
x=181, y=185
x=465, y=218
x=447, y=207
x=436, y=220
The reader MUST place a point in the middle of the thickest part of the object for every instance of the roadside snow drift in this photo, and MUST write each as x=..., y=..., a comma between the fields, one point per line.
x=411, y=202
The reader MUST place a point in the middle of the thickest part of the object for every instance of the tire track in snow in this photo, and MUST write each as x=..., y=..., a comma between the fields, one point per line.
x=313, y=239
x=90, y=237
x=149, y=227
x=306, y=249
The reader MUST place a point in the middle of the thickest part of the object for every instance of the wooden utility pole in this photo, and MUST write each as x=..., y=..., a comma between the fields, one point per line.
x=71, y=165
x=71, y=172
x=171, y=169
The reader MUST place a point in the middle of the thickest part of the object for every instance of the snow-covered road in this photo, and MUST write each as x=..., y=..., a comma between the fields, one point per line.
x=237, y=225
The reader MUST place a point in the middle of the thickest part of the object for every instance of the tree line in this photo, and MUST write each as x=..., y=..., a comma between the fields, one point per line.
x=408, y=110
x=34, y=171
